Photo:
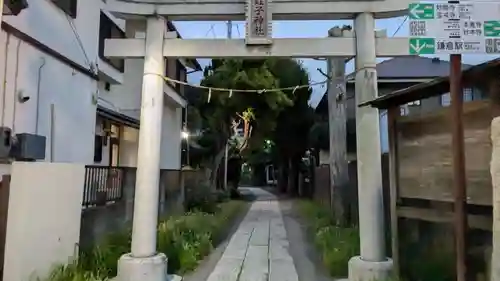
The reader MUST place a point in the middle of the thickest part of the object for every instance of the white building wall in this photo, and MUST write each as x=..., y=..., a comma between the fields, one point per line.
x=50, y=25
x=69, y=91
x=171, y=138
x=70, y=126
x=50, y=83
x=126, y=99
x=129, y=141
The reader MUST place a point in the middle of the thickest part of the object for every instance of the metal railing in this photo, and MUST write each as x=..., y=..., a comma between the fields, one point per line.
x=103, y=185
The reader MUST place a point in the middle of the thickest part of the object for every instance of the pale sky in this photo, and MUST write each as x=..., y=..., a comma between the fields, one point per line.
x=298, y=29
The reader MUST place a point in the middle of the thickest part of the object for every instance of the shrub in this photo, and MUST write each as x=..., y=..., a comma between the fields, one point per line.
x=184, y=239
x=71, y=272
x=335, y=244
x=202, y=198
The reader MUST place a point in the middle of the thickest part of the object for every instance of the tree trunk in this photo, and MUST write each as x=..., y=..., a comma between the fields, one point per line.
x=283, y=176
x=293, y=176
x=215, y=168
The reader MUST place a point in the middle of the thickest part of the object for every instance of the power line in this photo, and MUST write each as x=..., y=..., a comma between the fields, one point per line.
x=211, y=29
x=400, y=26
x=79, y=41
x=238, y=29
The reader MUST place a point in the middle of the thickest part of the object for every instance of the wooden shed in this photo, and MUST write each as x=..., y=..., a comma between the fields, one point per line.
x=421, y=170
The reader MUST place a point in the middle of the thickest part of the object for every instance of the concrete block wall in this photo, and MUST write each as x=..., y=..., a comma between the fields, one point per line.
x=97, y=222
x=43, y=220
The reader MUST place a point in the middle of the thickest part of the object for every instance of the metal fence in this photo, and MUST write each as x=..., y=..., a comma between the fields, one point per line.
x=103, y=185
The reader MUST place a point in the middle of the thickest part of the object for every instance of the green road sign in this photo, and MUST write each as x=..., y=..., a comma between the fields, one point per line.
x=419, y=11
x=422, y=46
x=492, y=28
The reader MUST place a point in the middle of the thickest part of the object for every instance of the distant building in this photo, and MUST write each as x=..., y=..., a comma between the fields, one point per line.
x=395, y=74
x=86, y=105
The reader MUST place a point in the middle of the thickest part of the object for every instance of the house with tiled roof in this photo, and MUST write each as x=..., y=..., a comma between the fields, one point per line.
x=392, y=75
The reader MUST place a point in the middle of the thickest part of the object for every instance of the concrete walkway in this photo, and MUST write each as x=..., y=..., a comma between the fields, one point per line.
x=258, y=250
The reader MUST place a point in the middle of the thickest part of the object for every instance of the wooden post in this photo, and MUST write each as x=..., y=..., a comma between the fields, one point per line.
x=459, y=177
x=392, y=114
x=339, y=174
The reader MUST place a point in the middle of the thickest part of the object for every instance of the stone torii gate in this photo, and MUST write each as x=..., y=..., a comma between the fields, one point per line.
x=144, y=263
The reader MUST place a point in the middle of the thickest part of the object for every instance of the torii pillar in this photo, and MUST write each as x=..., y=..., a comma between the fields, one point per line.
x=143, y=262
x=372, y=264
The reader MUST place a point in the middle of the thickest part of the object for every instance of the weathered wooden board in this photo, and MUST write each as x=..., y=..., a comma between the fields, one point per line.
x=425, y=159
x=475, y=221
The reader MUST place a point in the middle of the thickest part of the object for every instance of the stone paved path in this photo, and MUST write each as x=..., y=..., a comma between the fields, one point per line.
x=258, y=250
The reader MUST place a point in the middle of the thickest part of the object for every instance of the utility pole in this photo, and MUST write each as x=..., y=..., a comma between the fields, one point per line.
x=459, y=176
x=339, y=176
x=226, y=152
x=229, y=29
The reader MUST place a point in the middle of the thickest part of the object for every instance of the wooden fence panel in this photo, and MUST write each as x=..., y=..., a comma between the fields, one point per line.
x=424, y=150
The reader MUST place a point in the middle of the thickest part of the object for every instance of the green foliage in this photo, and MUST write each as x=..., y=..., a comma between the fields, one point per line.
x=261, y=154
x=71, y=272
x=262, y=109
x=203, y=199
x=438, y=265
x=219, y=110
x=184, y=239
x=335, y=244
x=294, y=122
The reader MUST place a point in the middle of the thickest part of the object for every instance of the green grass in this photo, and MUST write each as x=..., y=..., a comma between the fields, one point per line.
x=335, y=244
x=185, y=239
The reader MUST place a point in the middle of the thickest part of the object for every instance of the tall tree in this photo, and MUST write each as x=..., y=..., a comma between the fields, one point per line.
x=294, y=124
x=221, y=110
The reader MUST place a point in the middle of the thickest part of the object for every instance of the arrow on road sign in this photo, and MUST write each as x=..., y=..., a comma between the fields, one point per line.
x=416, y=11
x=422, y=46
x=421, y=11
x=417, y=47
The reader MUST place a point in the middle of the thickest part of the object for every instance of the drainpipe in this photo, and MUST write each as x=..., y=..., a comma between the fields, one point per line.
x=52, y=131
x=16, y=78
x=4, y=79
x=39, y=81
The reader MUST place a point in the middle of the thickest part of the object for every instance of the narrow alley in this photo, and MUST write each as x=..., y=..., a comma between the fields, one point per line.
x=268, y=245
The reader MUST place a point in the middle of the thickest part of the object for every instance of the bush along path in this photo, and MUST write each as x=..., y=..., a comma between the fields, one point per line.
x=185, y=239
x=335, y=245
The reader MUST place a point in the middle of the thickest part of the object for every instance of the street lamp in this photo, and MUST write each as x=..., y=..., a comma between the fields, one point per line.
x=185, y=135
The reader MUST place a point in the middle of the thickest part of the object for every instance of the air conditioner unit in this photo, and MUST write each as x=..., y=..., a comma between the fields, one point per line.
x=28, y=147
x=24, y=147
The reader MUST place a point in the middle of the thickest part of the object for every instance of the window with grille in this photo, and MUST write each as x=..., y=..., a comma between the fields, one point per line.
x=470, y=94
